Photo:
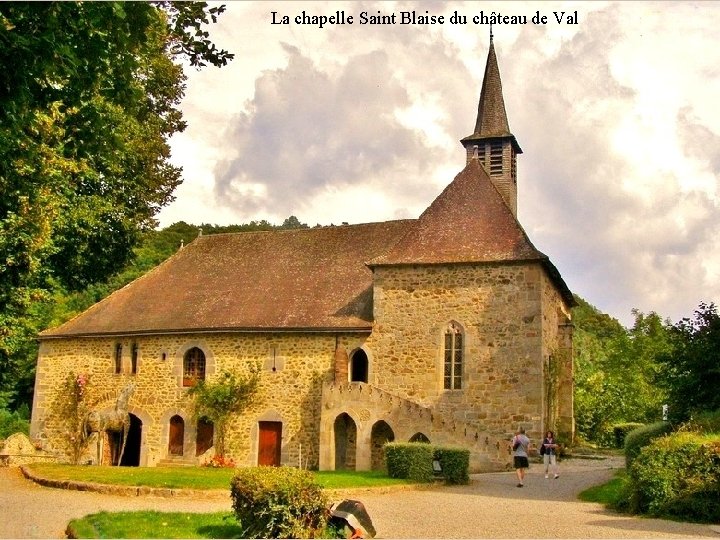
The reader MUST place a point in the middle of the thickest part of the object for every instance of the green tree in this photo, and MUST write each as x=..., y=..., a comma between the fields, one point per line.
x=691, y=369
x=218, y=400
x=89, y=96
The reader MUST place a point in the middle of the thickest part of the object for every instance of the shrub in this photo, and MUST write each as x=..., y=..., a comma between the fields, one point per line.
x=705, y=422
x=219, y=462
x=640, y=437
x=620, y=431
x=410, y=460
x=12, y=422
x=455, y=463
x=278, y=502
x=678, y=475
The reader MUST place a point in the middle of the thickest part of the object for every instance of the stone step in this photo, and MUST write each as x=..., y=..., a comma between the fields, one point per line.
x=176, y=462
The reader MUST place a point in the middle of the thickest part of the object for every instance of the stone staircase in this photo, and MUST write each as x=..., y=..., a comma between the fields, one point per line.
x=177, y=461
x=369, y=404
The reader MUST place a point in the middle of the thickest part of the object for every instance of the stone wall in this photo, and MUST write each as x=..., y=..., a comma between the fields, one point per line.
x=508, y=313
x=294, y=367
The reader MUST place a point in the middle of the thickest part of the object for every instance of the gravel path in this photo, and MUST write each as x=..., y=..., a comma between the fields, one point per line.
x=490, y=507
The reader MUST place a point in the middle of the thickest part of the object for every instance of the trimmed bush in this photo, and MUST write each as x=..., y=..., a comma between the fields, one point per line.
x=640, y=437
x=678, y=475
x=410, y=460
x=620, y=431
x=279, y=502
x=455, y=463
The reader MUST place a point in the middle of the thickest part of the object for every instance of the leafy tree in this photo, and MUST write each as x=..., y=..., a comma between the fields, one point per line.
x=217, y=400
x=691, y=371
x=89, y=96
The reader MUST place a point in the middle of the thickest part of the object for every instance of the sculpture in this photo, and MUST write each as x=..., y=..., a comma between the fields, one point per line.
x=116, y=421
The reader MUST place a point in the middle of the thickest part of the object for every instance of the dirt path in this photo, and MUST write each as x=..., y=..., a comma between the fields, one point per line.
x=490, y=507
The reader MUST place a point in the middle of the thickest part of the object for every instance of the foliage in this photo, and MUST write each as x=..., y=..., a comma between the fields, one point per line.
x=692, y=368
x=89, y=97
x=620, y=431
x=218, y=462
x=279, y=502
x=639, y=438
x=678, y=475
x=71, y=407
x=13, y=422
x=615, y=371
x=217, y=400
x=454, y=463
x=410, y=460
x=704, y=422
x=152, y=524
x=611, y=493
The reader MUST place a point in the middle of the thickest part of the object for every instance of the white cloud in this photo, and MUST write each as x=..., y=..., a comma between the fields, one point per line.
x=617, y=117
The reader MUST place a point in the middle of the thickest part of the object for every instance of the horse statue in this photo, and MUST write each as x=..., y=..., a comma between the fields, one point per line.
x=116, y=421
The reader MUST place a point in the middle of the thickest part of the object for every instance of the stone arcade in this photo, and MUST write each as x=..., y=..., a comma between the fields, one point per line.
x=450, y=328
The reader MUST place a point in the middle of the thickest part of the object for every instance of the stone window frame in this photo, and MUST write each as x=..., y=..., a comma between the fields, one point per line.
x=179, y=363
x=117, y=354
x=134, y=357
x=452, y=328
x=368, y=355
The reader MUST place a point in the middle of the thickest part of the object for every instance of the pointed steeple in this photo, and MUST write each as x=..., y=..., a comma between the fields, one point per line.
x=492, y=142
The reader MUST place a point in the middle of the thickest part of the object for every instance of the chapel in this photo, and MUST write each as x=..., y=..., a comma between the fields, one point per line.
x=452, y=328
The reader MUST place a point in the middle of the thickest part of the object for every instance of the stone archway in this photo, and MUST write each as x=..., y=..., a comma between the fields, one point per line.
x=131, y=457
x=345, y=442
x=380, y=434
x=419, y=437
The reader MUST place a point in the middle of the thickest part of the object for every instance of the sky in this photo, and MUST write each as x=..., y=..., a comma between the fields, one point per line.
x=616, y=109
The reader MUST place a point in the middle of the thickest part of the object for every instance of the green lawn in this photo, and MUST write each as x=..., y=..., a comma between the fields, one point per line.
x=196, y=477
x=155, y=525
x=608, y=494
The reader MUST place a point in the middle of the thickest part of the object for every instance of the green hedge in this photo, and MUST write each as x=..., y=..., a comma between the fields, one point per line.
x=640, y=437
x=12, y=422
x=414, y=461
x=410, y=460
x=279, y=502
x=620, y=431
x=455, y=463
x=678, y=476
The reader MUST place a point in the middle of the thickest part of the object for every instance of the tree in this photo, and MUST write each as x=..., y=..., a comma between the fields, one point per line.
x=89, y=96
x=691, y=371
x=230, y=394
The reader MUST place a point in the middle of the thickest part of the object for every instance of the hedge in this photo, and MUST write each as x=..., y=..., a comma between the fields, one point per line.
x=454, y=463
x=678, y=476
x=620, y=431
x=279, y=502
x=640, y=437
x=410, y=460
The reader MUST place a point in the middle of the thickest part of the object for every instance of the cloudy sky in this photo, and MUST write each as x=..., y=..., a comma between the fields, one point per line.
x=618, y=117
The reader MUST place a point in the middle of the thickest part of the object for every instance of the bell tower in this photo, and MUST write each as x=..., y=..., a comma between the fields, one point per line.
x=491, y=142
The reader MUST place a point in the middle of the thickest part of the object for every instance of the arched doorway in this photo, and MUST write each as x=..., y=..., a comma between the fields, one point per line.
x=420, y=437
x=205, y=434
x=131, y=457
x=345, y=442
x=380, y=434
x=176, y=436
x=359, y=366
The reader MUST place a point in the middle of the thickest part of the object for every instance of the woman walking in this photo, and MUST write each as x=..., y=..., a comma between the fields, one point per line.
x=549, y=451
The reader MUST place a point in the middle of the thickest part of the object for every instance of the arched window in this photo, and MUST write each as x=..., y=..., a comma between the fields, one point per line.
x=193, y=366
x=453, y=359
x=359, y=366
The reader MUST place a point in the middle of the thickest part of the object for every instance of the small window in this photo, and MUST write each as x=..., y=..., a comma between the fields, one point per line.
x=134, y=359
x=193, y=366
x=118, y=358
x=453, y=358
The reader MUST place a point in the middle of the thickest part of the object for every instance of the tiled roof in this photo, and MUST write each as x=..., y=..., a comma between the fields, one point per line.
x=310, y=279
x=468, y=222
x=492, y=119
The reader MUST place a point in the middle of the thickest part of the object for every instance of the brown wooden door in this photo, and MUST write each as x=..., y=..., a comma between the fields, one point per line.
x=205, y=433
x=177, y=436
x=269, y=443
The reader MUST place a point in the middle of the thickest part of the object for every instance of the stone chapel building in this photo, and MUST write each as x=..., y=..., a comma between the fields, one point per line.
x=450, y=328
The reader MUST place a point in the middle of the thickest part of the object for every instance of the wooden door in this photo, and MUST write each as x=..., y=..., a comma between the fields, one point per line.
x=269, y=443
x=177, y=436
x=205, y=433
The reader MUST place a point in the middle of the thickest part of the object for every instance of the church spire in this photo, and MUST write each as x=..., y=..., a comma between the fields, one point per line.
x=492, y=141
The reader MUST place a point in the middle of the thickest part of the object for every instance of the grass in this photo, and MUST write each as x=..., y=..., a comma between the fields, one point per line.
x=609, y=494
x=196, y=477
x=150, y=524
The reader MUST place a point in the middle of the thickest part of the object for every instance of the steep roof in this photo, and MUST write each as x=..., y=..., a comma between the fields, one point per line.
x=492, y=119
x=468, y=222
x=306, y=279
